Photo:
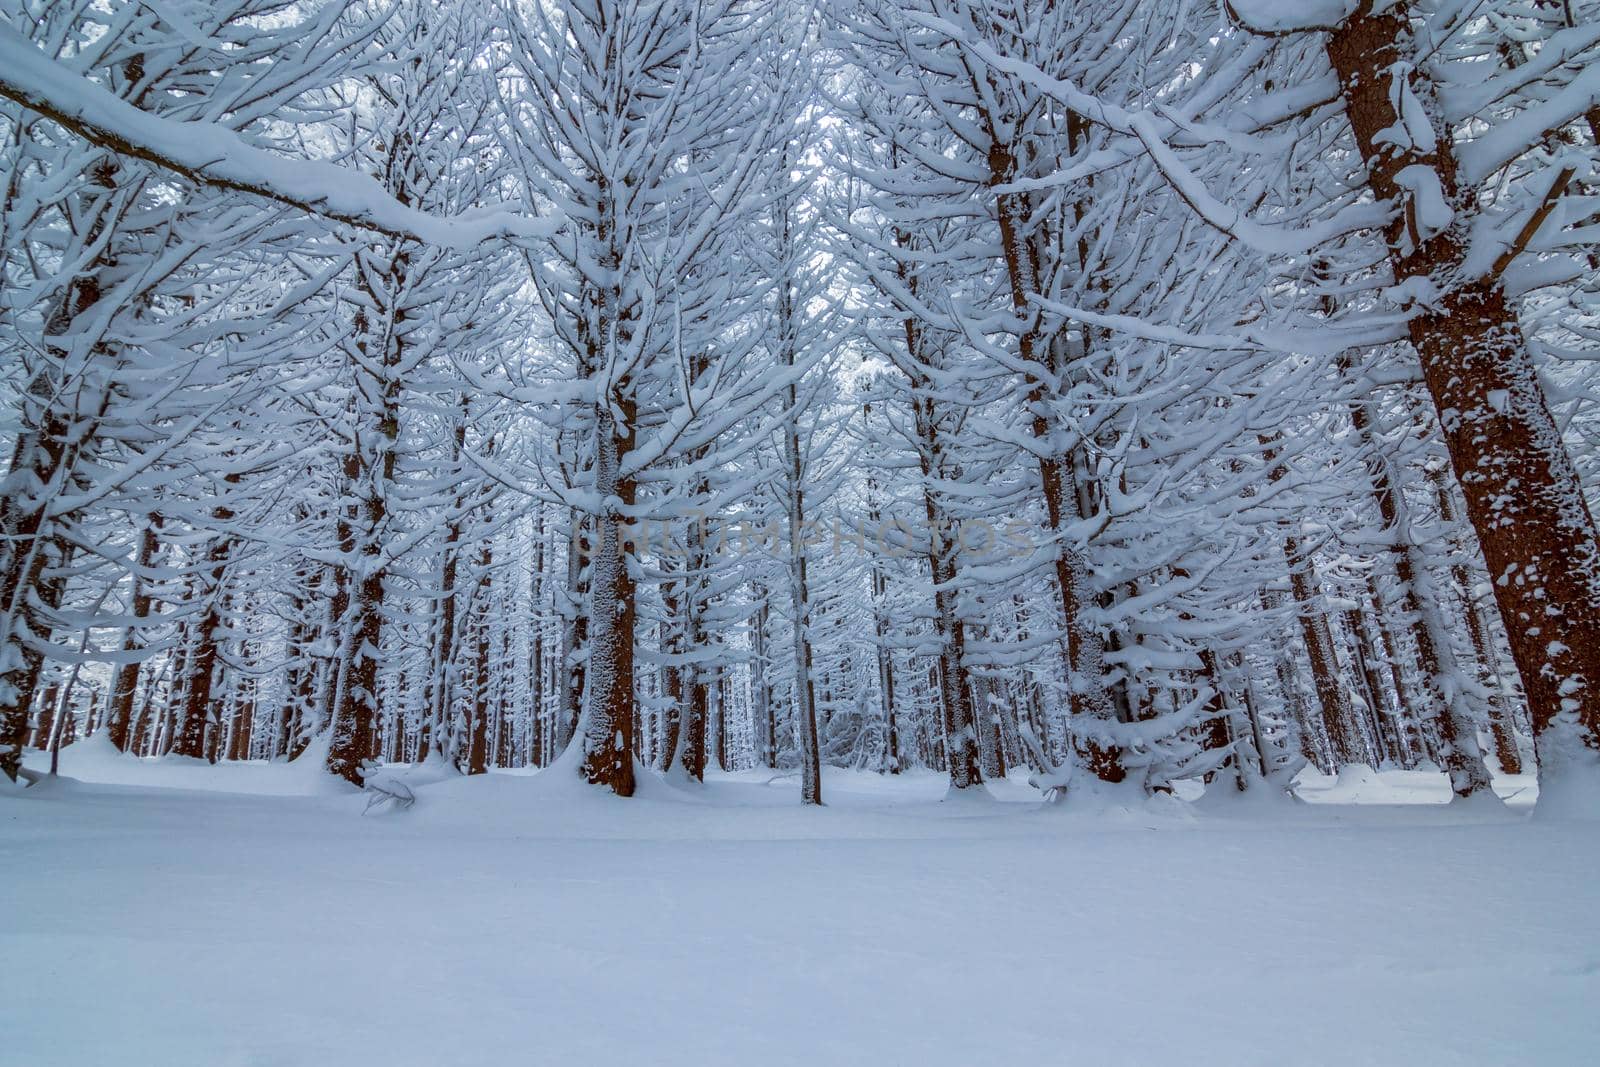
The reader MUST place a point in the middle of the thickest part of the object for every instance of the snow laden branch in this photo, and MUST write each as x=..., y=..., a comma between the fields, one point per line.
x=210, y=154
x=1151, y=133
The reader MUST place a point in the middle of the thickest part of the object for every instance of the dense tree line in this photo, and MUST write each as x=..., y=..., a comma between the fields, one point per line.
x=1123, y=392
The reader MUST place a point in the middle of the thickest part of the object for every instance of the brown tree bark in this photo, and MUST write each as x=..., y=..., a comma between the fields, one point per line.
x=671, y=647
x=760, y=689
x=243, y=726
x=436, y=715
x=44, y=720
x=1408, y=724
x=1217, y=734
x=693, y=677
x=126, y=680
x=1314, y=630
x=480, y=713
x=300, y=680
x=536, y=655
x=574, y=629
x=369, y=469
x=1500, y=719
x=1522, y=494
x=955, y=693
x=805, y=702
x=608, y=743
x=950, y=676
x=31, y=585
x=357, y=616
x=807, y=736
x=1093, y=706
x=199, y=716
x=50, y=437
x=1458, y=732
x=1385, y=725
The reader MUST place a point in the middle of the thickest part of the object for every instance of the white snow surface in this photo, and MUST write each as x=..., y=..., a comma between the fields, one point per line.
x=165, y=912
x=1287, y=16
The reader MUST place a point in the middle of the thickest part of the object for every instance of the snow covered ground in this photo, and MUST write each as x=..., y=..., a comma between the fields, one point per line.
x=169, y=914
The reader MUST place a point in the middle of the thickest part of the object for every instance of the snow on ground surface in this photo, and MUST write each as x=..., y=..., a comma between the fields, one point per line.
x=165, y=913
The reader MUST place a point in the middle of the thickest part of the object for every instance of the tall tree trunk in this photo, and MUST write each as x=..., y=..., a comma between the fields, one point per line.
x=694, y=678
x=805, y=701
x=441, y=673
x=962, y=753
x=300, y=680
x=536, y=580
x=1314, y=630
x=880, y=628
x=761, y=689
x=1215, y=734
x=44, y=720
x=1385, y=722
x=244, y=716
x=574, y=629
x=1093, y=705
x=1500, y=717
x=31, y=597
x=717, y=717
x=369, y=474
x=125, y=682
x=608, y=712
x=1371, y=711
x=479, y=714
x=1523, y=496
x=54, y=426
x=1294, y=705
x=199, y=712
x=1409, y=719
x=1458, y=731
x=671, y=647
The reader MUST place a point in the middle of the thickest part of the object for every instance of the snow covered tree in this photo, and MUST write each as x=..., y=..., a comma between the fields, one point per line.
x=640, y=120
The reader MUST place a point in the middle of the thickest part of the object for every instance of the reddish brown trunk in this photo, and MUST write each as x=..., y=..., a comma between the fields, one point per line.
x=45, y=720
x=1457, y=732
x=608, y=736
x=1314, y=630
x=1408, y=721
x=1385, y=725
x=1318, y=638
x=353, y=726
x=955, y=694
x=478, y=730
x=671, y=675
x=760, y=691
x=880, y=626
x=244, y=720
x=694, y=729
x=126, y=681
x=1092, y=704
x=950, y=681
x=30, y=544
x=193, y=735
x=19, y=683
x=1505, y=741
x=1522, y=494
x=1217, y=734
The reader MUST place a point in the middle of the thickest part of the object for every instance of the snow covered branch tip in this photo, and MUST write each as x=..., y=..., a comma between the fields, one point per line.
x=215, y=155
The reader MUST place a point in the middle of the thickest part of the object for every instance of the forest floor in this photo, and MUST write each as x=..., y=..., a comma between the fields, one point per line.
x=169, y=913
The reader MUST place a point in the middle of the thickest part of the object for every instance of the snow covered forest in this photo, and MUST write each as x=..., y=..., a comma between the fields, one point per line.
x=1131, y=392
x=1074, y=405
